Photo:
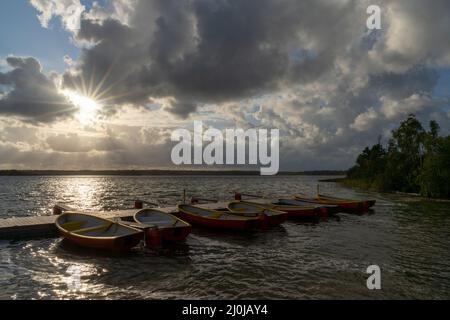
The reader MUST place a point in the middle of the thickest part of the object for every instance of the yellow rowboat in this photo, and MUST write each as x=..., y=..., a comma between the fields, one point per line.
x=94, y=232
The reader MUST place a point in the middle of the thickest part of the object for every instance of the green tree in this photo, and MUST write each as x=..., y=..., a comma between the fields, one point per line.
x=434, y=178
x=369, y=163
x=432, y=137
x=405, y=156
x=416, y=161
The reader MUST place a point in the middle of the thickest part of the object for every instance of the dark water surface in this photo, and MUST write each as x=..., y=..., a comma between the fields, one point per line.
x=408, y=238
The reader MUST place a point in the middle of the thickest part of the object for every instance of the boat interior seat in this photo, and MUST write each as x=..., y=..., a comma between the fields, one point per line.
x=216, y=215
x=157, y=222
x=250, y=210
x=100, y=227
x=73, y=225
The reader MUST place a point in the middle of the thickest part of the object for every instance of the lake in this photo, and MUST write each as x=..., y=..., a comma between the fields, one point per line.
x=407, y=237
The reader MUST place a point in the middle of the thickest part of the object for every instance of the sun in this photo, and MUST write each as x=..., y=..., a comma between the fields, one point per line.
x=87, y=107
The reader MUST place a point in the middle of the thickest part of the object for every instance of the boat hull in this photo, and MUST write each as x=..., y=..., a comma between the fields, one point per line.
x=219, y=224
x=323, y=210
x=364, y=204
x=157, y=236
x=345, y=206
x=299, y=213
x=308, y=214
x=358, y=207
x=122, y=243
x=268, y=216
x=94, y=232
x=273, y=221
x=176, y=234
x=293, y=212
x=370, y=203
x=161, y=227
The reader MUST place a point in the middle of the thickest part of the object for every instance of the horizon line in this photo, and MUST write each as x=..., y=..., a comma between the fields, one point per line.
x=30, y=172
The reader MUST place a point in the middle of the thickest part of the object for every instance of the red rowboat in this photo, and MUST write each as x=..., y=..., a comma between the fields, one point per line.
x=309, y=212
x=161, y=227
x=270, y=217
x=94, y=232
x=216, y=219
x=348, y=205
x=325, y=209
x=367, y=203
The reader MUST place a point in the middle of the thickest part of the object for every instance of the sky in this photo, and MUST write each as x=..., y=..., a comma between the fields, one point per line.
x=103, y=84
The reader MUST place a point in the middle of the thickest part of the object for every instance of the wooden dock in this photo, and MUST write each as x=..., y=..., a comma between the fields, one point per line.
x=44, y=226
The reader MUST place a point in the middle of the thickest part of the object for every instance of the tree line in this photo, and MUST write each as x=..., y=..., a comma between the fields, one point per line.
x=415, y=160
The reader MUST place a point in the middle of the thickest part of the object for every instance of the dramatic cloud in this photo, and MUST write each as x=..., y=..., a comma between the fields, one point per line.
x=309, y=68
x=199, y=52
x=212, y=51
x=417, y=32
x=31, y=95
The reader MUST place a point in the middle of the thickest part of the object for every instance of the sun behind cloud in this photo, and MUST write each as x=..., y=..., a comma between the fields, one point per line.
x=88, y=108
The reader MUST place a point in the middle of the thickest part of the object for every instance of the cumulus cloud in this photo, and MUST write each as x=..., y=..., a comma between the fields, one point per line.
x=364, y=120
x=417, y=32
x=398, y=109
x=69, y=11
x=31, y=94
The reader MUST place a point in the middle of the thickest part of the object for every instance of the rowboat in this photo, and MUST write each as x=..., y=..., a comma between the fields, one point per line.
x=307, y=212
x=269, y=217
x=368, y=203
x=216, y=219
x=325, y=209
x=94, y=232
x=160, y=226
x=348, y=205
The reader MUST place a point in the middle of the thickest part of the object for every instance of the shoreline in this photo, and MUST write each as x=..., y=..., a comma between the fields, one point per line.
x=364, y=185
x=163, y=173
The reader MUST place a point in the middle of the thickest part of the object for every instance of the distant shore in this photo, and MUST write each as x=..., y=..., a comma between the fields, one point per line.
x=160, y=173
x=340, y=179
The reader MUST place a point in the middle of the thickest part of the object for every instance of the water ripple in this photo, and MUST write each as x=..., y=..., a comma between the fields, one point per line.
x=406, y=237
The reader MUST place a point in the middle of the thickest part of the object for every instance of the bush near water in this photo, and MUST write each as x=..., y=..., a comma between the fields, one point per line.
x=416, y=160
